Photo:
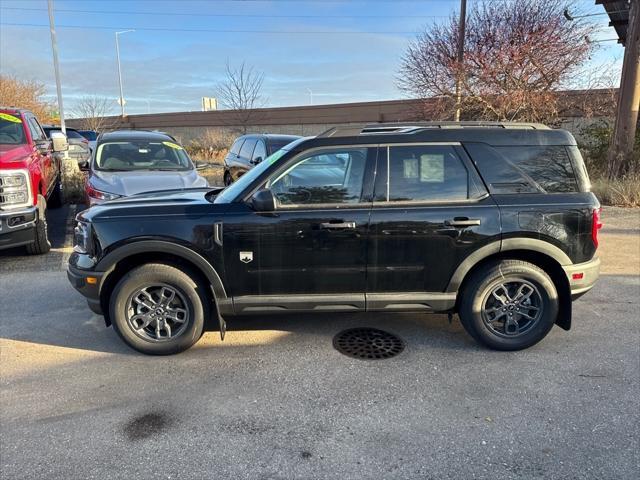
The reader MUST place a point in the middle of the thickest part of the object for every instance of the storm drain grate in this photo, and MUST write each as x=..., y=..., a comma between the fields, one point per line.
x=368, y=343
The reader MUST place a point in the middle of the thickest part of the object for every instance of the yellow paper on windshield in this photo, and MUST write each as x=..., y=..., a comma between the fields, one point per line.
x=172, y=145
x=10, y=118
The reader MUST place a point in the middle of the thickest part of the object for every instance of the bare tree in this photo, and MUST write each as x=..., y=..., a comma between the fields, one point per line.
x=241, y=91
x=25, y=94
x=94, y=112
x=518, y=53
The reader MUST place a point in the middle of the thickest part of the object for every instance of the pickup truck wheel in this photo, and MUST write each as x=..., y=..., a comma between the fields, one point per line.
x=55, y=199
x=158, y=309
x=41, y=244
x=510, y=305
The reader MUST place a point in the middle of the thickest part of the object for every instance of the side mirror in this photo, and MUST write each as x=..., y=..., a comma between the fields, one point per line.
x=263, y=201
x=60, y=143
x=257, y=160
x=84, y=167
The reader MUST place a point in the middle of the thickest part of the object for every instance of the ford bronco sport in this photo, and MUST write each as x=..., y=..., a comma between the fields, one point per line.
x=492, y=221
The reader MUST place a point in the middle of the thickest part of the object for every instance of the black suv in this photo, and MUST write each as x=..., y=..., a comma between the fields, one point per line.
x=248, y=151
x=492, y=221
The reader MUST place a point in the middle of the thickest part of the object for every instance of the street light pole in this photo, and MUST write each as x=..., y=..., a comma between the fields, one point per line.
x=56, y=67
x=459, y=73
x=310, y=96
x=119, y=69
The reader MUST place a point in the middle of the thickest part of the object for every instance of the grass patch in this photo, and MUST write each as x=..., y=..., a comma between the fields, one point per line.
x=624, y=192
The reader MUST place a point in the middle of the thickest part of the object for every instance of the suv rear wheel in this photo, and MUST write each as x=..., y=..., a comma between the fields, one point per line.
x=510, y=305
x=158, y=309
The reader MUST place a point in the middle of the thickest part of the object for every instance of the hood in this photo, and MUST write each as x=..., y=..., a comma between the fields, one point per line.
x=14, y=156
x=194, y=201
x=132, y=183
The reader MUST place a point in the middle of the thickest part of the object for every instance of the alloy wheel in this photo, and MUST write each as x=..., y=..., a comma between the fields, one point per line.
x=511, y=309
x=157, y=313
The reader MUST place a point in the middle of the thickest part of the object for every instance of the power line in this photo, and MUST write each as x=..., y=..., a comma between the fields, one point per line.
x=206, y=30
x=242, y=15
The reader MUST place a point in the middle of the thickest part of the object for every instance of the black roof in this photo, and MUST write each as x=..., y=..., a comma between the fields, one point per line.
x=274, y=136
x=135, y=135
x=492, y=133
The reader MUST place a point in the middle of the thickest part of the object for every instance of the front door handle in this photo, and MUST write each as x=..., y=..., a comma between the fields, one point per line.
x=462, y=222
x=337, y=226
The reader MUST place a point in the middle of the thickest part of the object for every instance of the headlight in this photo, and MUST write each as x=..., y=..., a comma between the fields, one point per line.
x=100, y=195
x=15, y=190
x=82, y=238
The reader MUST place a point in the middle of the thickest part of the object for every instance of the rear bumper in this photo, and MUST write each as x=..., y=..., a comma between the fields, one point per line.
x=582, y=276
x=17, y=227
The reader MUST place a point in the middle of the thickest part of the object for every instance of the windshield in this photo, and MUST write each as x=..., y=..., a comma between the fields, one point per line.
x=140, y=155
x=232, y=191
x=11, y=131
x=88, y=134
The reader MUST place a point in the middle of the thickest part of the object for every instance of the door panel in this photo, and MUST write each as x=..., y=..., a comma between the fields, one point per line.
x=315, y=248
x=415, y=245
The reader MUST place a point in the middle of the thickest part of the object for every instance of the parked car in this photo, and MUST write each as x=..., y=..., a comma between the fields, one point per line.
x=29, y=180
x=132, y=161
x=248, y=151
x=494, y=222
x=78, y=145
x=91, y=137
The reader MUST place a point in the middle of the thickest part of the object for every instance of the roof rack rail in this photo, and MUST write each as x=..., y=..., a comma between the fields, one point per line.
x=409, y=128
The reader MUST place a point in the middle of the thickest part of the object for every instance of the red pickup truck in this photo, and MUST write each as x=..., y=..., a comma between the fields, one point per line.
x=29, y=180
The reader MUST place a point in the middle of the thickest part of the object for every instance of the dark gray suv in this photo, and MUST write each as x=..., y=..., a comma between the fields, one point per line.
x=249, y=150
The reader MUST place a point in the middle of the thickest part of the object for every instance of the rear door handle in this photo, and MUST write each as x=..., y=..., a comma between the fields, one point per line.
x=462, y=222
x=337, y=226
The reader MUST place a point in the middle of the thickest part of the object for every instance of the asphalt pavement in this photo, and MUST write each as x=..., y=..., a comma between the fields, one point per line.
x=276, y=400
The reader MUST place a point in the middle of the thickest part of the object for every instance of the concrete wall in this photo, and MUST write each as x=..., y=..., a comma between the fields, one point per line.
x=312, y=119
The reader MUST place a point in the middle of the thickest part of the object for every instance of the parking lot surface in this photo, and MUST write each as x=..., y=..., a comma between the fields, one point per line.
x=276, y=400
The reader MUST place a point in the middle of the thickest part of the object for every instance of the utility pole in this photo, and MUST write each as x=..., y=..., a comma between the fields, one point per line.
x=119, y=69
x=461, y=29
x=624, y=130
x=310, y=96
x=56, y=67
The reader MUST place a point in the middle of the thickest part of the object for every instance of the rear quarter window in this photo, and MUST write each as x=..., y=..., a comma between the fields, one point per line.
x=524, y=168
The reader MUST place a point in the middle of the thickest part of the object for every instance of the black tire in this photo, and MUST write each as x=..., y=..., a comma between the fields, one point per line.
x=227, y=179
x=41, y=244
x=189, y=290
x=55, y=199
x=498, y=321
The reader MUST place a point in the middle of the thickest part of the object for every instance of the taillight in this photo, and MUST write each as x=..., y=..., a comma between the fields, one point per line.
x=596, y=224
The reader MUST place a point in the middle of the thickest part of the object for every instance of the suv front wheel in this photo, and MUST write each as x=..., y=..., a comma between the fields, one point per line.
x=158, y=309
x=509, y=305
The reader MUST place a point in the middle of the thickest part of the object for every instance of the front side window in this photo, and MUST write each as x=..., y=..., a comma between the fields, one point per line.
x=141, y=155
x=424, y=173
x=325, y=177
x=247, y=148
x=260, y=152
x=36, y=131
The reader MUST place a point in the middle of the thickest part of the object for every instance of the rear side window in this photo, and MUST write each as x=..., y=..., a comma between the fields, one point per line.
x=424, y=173
x=235, y=148
x=524, y=168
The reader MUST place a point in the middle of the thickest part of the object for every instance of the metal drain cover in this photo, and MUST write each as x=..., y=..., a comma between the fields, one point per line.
x=368, y=343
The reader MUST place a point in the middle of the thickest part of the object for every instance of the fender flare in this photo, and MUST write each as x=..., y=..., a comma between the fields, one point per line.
x=109, y=261
x=530, y=244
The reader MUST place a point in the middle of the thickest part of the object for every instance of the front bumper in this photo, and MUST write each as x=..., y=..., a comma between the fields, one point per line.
x=582, y=276
x=17, y=227
x=88, y=283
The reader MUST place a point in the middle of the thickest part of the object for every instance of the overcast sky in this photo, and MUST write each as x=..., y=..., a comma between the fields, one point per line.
x=343, y=51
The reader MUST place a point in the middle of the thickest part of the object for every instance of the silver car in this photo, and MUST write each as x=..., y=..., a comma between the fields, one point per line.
x=128, y=162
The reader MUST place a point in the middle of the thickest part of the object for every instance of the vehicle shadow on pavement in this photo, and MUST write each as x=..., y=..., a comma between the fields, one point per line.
x=60, y=225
